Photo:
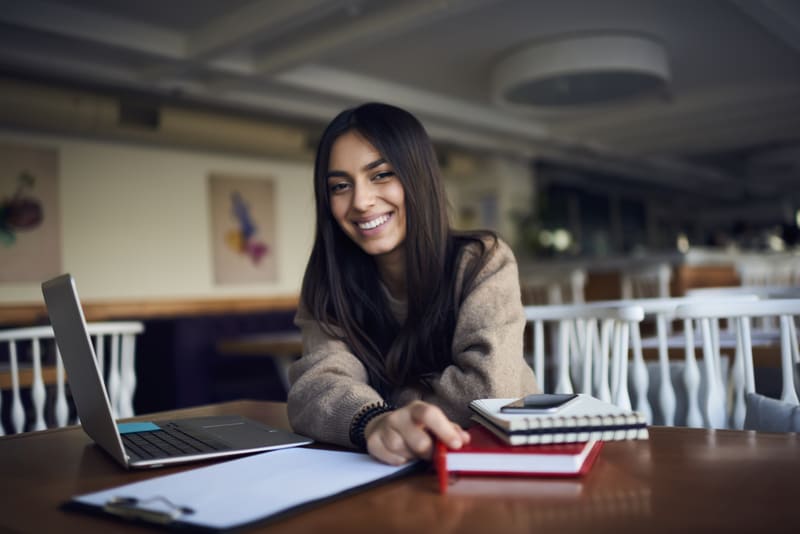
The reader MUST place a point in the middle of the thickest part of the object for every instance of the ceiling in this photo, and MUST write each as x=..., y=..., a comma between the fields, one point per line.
x=728, y=121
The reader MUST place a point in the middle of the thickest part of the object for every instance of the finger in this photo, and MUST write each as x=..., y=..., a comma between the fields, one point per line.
x=418, y=441
x=394, y=443
x=436, y=422
x=465, y=437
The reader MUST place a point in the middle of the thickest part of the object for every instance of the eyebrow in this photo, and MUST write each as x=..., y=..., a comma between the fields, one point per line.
x=368, y=167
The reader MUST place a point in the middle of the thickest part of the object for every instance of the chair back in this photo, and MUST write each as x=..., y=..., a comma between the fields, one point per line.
x=553, y=287
x=706, y=313
x=591, y=347
x=34, y=374
x=645, y=281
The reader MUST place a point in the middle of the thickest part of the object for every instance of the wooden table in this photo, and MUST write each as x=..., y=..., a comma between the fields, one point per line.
x=681, y=480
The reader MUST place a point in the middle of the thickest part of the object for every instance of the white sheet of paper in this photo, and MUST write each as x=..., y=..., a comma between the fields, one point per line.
x=240, y=491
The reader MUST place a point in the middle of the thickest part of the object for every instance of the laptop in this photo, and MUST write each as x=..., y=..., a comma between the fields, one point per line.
x=143, y=444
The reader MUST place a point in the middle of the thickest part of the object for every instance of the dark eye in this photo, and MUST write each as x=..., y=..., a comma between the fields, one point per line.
x=338, y=187
x=385, y=175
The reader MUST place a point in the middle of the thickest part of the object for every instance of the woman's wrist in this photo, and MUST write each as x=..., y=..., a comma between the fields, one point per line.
x=364, y=416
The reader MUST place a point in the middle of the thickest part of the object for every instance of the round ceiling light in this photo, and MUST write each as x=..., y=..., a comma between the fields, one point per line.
x=581, y=70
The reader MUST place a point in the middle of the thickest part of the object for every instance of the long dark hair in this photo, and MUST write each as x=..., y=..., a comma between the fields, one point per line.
x=341, y=286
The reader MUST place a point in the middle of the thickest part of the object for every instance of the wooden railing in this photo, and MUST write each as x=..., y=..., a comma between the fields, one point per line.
x=33, y=314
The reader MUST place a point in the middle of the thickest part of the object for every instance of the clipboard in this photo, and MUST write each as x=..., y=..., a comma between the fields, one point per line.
x=238, y=493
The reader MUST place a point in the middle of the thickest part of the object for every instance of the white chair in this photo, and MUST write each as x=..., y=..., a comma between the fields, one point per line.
x=553, y=287
x=591, y=349
x=769, y=269
x=744, y=395
x=29, y=351
x=662, y=311
x=645, y=281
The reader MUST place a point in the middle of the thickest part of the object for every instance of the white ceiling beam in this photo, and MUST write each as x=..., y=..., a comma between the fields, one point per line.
x=252, y=21
x=356, y=87
x=77, y=23
x=390, y=20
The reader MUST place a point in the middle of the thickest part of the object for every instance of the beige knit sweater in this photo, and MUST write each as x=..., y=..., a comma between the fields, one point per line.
x=330, y=384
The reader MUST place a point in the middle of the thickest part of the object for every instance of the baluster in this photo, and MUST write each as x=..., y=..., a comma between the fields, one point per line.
x=788, y=394
x=563, y=384
x=640, y=377
x=17, y=413
x=747, y=353
x=113, y=376
x=715, y=397
x=538, y=352
x=99, y=352
x=666, y=393
x=623, y=398
x=603, y=389
x=575, y=350
x=62, y=410
x=590, y=326
x=597, y=357
x=37, y=387
x=691, y=379
x=127, y=384
x=737, y=377
x=615, y=363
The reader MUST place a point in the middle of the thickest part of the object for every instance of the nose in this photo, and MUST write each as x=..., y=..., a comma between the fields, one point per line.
x=363, y=196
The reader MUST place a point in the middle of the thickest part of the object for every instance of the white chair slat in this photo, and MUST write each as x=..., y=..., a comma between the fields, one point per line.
x=538, y=352
x=641, y=380
x=61, y=408
x=691, y=379
x=37, y=387
x=563, y=382
x=127, y=376
x=666, y=391
x=112, y=382
x=604, y=386
x=737, y=379
x=788, y=353
x=17, y=412
x=714, y=403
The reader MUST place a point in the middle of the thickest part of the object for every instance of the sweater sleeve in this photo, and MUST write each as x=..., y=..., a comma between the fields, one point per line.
x=329, y=385
x=487, y=342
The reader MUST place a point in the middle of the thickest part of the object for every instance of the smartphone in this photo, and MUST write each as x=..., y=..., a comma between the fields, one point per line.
x=540, y=403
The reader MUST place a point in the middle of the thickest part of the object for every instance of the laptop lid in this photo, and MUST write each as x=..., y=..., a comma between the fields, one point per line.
x=240, y=435
x=75, y=346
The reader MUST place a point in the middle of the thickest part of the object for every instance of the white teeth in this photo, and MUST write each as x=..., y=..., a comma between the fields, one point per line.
x=374, y=223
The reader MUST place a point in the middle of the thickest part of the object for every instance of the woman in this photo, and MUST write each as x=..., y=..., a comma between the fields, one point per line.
x=404, y=321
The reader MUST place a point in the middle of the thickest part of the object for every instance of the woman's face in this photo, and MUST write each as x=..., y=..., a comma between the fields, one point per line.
x=366, y=197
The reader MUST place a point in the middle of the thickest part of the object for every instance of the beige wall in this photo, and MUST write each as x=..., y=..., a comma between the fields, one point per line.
x=135, y=220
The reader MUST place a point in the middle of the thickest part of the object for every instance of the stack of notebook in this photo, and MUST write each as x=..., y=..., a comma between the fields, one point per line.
x=585, y=419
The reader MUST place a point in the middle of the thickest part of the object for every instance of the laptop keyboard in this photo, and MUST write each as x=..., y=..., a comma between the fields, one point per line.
x=165, y=443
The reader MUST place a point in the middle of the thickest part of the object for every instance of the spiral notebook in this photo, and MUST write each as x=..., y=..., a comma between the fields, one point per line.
x=585, y=419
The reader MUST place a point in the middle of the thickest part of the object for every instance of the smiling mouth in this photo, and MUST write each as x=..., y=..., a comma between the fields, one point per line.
x=374, y=223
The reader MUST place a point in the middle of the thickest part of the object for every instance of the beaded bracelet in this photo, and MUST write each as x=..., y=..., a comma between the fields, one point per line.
x=362, y=419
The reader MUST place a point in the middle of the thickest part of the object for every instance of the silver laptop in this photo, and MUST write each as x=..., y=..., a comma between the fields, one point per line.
x=151, y=443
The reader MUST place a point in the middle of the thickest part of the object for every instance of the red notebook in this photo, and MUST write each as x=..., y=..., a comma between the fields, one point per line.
x=487, y=455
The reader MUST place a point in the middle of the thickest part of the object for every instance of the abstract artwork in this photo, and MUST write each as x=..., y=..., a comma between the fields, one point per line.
x=242, y=229
x=30, y=235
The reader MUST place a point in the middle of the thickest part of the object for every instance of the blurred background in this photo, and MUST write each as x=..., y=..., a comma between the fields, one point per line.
x=615, y=144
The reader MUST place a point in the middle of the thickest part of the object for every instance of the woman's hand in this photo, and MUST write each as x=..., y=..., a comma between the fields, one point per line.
x=400, y=435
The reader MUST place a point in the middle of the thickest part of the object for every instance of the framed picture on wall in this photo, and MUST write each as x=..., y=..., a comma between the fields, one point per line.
x=242, y=228
x=30, y=223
